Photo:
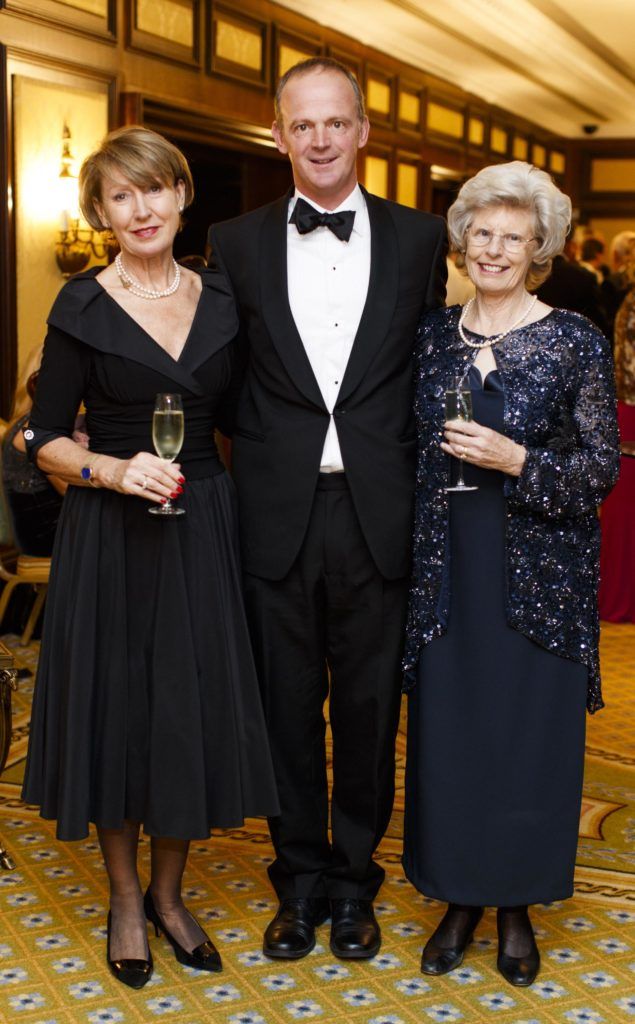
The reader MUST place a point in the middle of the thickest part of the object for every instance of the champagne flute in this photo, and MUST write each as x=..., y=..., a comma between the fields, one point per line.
x=168, y=429
x=458, y=406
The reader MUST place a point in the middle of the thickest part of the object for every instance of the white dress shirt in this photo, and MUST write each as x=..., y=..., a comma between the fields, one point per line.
x=328, y=283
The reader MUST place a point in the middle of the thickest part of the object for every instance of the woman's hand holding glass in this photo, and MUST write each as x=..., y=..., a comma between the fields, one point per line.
x=144, y=475
x=157, y=478
x=483, y=447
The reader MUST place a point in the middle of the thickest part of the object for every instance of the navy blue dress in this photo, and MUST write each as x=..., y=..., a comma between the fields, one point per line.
x=496, y=725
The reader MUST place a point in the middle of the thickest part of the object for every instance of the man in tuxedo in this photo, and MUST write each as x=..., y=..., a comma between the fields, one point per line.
x=330, y=283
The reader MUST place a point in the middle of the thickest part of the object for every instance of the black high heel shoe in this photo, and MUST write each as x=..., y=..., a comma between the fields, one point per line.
x=133, y=973
x=437, y=959
x=204, y=957
x=517, y=970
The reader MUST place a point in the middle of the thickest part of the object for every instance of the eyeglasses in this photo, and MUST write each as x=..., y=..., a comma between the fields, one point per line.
x=480, y=237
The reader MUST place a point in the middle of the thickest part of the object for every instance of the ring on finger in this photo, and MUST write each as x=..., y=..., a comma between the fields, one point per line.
x=463, y=451
x=144, y=484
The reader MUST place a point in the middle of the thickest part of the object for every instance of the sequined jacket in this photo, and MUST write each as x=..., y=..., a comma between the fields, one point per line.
x=560, y=404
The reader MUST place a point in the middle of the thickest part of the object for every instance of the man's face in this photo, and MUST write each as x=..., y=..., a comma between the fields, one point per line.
x=321, y=134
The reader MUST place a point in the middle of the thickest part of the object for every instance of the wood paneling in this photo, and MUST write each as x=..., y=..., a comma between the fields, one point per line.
x=349, y=60
x=165, y=28
x=410, y=102
x=380, y=96
x=240, y=47
x=292, y=47
x=408, y=179
x=520, y=148
x=377, y=176
x=92, y=18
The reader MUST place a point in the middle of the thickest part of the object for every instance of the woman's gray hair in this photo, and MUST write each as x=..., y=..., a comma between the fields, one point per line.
x=523, y=187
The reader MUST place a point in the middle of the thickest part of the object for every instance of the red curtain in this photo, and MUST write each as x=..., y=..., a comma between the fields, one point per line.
x=617, y=558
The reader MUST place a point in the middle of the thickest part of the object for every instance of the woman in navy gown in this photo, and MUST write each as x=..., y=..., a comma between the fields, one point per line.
x=502, y=653
x=146, y=709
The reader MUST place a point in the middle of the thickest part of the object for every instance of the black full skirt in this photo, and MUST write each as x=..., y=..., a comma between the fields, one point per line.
x=496, y=729
x=146, y=705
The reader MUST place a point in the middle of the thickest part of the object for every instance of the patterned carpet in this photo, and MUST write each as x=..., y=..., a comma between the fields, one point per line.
x=53, y=909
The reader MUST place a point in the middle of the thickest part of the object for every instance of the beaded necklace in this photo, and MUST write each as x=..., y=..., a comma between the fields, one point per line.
x=136, y=288
x=497, y=337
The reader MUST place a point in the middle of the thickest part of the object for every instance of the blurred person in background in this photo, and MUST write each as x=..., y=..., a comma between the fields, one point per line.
x=34, y=497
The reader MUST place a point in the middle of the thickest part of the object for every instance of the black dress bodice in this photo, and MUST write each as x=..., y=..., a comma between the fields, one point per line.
x=96, y=353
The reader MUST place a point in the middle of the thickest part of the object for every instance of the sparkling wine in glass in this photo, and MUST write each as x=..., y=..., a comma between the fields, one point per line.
x=168, y=430
x=458, y=406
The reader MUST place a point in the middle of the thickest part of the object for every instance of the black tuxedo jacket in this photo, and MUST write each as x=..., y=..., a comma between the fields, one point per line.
x=281, y=419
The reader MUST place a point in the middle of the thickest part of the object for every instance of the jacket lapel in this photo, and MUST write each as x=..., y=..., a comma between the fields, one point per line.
x=275, y=302
x=382, y=294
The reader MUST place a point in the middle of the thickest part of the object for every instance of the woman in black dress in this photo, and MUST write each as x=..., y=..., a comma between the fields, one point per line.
x=146, y=708
x=503, y=627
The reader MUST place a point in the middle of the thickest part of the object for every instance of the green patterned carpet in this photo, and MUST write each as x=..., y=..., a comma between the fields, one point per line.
x=53, y=908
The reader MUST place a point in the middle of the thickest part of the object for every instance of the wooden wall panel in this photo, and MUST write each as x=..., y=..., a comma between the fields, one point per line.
x=239, y=47
x=170, y=29
x=90, y=17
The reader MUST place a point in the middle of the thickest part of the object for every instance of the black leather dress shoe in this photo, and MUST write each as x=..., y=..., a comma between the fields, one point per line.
x=291, y=934
x=355, y=934
x=204, y=957
x=437, y=959
x=518, y=970
x=133, y=973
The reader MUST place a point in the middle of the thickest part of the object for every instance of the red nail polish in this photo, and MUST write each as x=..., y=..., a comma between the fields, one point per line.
x=181, y=479
x=163, y=501
x=179, y=490
x=174, y=494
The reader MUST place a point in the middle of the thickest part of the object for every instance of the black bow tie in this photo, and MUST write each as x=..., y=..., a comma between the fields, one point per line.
x=306, y=218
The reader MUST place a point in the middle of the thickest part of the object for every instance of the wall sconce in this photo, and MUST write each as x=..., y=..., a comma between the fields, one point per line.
x=75, y=244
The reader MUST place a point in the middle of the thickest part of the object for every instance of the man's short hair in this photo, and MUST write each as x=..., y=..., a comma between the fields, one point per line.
x=591, y=247
x=319, y=64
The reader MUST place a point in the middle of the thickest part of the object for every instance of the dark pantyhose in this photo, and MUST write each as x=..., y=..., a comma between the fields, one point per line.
x=516, y=937
x=129, y=937
x=168, y=864
x=455, y=926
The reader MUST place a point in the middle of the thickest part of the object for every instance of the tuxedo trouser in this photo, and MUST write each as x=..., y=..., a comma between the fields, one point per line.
x=332, y=627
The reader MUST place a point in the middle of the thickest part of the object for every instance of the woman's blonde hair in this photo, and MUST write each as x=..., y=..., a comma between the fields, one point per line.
x=144, y=156
x=628, y=262
x=524, y=187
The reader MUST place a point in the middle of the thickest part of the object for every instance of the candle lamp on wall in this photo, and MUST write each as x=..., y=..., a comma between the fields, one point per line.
x=76, y=242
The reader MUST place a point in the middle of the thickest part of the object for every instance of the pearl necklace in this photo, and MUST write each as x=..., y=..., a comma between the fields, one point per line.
x=497, y=337
x=136, y=288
